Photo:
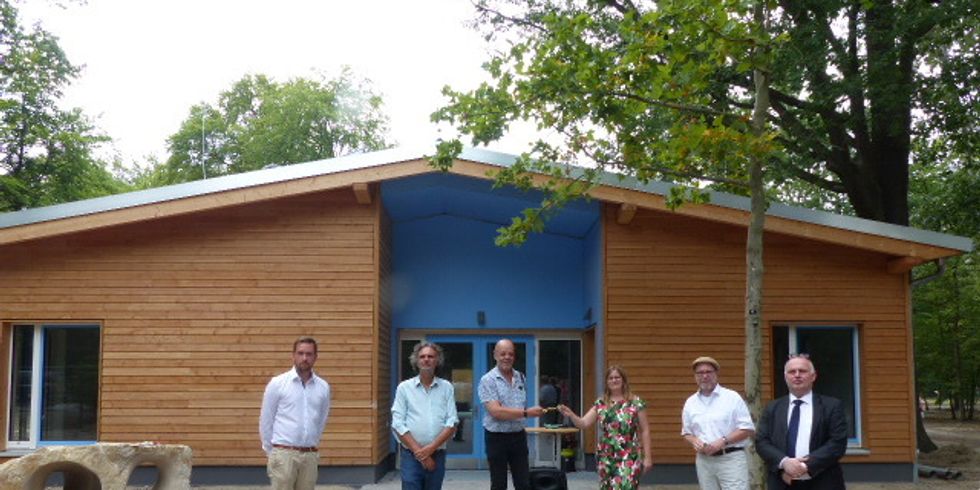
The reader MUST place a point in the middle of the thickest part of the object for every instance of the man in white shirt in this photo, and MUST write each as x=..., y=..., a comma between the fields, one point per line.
x=294, y=412
x=717, y=424
x=423, y=418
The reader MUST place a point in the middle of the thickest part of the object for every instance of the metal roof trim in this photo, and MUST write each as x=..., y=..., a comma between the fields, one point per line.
x=741, y=203
x=478, y=155
x=207, y=186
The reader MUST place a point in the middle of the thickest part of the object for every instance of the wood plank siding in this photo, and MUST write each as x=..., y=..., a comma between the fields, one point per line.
x=675, y=290
x=198, y=311
x=383, y=390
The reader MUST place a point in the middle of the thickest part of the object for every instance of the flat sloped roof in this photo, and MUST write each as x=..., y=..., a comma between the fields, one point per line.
x=362, y=164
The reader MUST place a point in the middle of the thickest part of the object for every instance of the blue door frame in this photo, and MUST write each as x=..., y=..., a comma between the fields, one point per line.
x=481, y=364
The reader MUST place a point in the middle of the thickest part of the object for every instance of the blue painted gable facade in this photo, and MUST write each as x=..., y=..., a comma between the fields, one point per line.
x=446, y=269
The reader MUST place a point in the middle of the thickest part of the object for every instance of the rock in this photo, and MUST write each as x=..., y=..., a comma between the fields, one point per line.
x=105, y=466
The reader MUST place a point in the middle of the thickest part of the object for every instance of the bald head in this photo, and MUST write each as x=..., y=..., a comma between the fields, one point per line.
x=505, y=355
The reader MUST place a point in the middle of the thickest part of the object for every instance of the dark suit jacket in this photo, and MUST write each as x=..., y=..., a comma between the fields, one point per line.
x=828, y=441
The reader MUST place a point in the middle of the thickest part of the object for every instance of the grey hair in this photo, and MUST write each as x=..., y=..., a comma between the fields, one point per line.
x=414, y=357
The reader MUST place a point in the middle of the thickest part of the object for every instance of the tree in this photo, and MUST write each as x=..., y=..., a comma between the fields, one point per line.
x=258, y=122
x=845, y=79
x=848, y=81
x=947, y=310
x=635, y=90
x=46, y=153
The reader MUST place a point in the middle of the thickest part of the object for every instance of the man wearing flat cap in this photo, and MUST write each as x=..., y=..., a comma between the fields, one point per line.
x=717, y=424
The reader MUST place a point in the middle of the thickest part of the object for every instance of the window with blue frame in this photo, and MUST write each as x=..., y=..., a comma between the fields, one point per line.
x=834, y=350
x=54, y=384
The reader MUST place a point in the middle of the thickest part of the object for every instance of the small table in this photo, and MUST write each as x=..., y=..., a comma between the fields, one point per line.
x=557, y=432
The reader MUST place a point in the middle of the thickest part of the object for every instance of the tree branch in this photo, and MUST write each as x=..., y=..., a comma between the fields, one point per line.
x=483, y=9
x=697, y=109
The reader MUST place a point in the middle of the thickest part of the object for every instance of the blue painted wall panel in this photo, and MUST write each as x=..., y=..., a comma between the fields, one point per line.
x=446, y=268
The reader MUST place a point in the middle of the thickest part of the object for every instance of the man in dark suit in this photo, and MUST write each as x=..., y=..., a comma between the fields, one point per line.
x=803, y=435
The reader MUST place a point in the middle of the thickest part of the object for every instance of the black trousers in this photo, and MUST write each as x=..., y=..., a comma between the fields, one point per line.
x=508, y=449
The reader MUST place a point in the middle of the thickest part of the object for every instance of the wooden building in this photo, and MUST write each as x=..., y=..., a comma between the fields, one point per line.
x=159, y=315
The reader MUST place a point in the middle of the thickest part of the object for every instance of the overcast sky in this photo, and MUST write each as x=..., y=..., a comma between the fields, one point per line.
x=147, y=62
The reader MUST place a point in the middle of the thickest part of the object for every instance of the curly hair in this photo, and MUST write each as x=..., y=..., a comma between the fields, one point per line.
x=414, y=357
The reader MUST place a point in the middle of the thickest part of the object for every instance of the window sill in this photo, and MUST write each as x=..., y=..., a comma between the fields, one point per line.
x=857, y=451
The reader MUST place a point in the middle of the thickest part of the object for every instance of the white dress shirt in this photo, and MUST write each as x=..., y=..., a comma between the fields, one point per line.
x=710, y=417
x=294, y=413
x=806, y=423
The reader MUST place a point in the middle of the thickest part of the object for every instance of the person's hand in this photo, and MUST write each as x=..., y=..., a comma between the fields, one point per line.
x=535, y=411
x=647, y=465
x=697, y=444
x=424, y=452
x=566, y=411
x=429, y=464
x=710, y=448
x=795, y=468
x=788, y=480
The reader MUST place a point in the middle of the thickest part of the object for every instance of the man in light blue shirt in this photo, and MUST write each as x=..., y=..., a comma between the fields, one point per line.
x=423, y=418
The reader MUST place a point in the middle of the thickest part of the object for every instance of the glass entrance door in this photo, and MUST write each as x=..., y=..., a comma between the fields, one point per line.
x=466, y=359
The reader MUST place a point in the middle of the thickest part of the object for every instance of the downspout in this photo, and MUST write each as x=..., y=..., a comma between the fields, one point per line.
x=940, y=270
x=922, y=438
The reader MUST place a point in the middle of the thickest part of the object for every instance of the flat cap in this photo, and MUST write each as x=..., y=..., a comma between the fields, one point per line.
x=706, y=360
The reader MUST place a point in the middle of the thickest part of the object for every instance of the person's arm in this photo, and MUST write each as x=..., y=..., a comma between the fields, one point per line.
x=325, y=408
x=732, y=437
x=645, y=434
x=744, y=427
x=399, y=419
x=582, y=422
x=687, y=429
x=769, y=450
x=267, y=417
x=501, y=412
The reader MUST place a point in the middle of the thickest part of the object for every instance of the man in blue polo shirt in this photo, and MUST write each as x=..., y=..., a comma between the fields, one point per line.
x=503, y=393
x=423, y=418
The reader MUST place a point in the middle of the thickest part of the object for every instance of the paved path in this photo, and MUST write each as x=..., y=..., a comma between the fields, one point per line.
x=475, y=479
x=466, y=480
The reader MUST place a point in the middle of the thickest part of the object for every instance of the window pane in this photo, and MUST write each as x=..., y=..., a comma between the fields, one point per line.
x=21, y=370
x=458, y=368
x=561, y=375
x=70, y=384
x=831, y=350
x=406, y=370
x=780, y=354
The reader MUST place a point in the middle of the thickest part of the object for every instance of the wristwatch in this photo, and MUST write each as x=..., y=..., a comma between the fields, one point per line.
x=525, y=413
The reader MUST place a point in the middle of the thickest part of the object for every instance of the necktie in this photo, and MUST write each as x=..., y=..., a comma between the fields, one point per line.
x=794, y=429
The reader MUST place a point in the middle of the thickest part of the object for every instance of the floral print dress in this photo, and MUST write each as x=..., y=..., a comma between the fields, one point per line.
x=620, y=448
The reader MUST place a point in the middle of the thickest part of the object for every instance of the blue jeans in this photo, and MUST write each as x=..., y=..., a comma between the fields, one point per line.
x=414, y=476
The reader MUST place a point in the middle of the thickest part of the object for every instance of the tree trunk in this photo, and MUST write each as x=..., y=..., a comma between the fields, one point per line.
x=754, y=266
x=923, y=441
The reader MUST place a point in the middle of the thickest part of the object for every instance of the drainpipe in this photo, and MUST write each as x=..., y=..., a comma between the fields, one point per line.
x=931, y=277
x=940, y=270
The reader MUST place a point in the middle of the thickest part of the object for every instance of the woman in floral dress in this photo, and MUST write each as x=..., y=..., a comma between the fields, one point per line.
x=623, y=452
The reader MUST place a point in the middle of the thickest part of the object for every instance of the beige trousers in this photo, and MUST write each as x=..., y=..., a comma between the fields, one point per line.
x=726, y=472
x=292, y=470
